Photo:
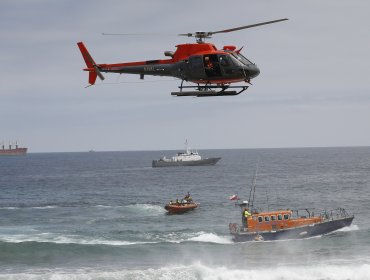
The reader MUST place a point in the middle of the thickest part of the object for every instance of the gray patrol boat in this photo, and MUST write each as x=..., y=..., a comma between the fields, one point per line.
x=187, y=158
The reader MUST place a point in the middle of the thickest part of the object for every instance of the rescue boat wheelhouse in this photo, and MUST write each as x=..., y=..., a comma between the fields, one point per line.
x=281, y=219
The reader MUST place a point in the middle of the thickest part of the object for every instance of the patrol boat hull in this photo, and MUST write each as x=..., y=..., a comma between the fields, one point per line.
x=306, y=231
x=169, y=163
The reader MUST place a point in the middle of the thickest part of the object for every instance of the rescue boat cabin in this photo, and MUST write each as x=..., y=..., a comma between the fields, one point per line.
x=277, y=220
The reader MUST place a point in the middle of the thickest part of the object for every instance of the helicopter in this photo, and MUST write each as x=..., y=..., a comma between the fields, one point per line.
x=211, y=70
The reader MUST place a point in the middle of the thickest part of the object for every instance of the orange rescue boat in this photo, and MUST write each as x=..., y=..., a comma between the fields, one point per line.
x=288, y=224
x=180, y=208
x=284, y=224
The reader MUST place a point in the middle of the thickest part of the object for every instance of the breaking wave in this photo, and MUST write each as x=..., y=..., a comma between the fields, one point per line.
x=146, y=209
x=67, y=239
x=141, y=238
x=211, y=238
x=350, y=228
x=202, y=272
x=31, y=207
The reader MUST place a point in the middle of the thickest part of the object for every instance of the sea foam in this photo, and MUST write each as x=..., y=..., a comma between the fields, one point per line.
x=66, y=239
x=211, y=238
x=202, y=272
x=146, y=209
x=350, y=228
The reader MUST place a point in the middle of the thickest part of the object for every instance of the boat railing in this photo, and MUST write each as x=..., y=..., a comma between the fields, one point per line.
x=334, y=214
x=304, y=213
x=234, y=228
x=325, y=214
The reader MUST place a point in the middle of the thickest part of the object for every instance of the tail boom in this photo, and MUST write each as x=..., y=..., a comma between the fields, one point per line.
x=92, y=67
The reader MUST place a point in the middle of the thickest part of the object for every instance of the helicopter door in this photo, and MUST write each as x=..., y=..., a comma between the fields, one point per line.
x=227, y=65
x=212, y=66
x=196, y=66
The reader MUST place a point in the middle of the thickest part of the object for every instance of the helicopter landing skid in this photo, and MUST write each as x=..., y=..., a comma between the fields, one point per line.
x=207, y=91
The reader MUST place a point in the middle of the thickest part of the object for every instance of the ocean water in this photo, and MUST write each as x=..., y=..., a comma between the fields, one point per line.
x=100, y=215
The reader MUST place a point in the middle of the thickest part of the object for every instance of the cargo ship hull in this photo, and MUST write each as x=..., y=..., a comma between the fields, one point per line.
x=13, y=152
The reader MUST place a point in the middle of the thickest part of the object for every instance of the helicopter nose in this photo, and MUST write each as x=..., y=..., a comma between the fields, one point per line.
x=252, y=70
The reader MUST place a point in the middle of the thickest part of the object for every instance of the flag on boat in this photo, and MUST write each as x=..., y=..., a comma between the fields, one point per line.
x=234, y=197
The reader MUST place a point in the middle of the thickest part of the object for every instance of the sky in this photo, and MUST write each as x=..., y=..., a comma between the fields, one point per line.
x=313, y=89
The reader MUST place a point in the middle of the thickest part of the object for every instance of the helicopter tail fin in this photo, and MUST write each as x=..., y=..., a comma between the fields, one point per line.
x=92, y=67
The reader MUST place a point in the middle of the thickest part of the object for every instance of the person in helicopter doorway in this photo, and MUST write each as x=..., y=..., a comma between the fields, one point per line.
x=211, y=66
x=245, y=216
x=208, y=63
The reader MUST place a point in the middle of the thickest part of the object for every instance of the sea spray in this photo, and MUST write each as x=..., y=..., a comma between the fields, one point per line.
x=200, y=272
x=212, y=238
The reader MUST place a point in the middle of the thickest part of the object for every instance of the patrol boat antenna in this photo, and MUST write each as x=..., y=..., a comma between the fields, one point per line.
x=253, y=189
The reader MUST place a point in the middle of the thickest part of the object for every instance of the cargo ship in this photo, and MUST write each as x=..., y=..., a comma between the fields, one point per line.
x=10, y=151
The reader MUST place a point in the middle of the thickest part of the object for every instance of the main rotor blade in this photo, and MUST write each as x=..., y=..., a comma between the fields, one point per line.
x=186, y=34
x=136, y=34
x=247, y=26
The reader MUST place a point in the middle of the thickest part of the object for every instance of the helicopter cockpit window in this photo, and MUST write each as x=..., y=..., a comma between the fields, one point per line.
x=241, y=58
x=234, y=61
x=225, y=60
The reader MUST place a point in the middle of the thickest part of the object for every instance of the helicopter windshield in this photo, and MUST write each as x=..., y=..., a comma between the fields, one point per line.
x=241, y=58
x=229, y=60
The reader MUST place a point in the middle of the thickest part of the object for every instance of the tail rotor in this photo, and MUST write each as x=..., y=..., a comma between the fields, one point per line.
x=92, y=67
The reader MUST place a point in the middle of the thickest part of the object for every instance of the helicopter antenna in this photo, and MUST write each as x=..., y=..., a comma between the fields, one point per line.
x=250, y=192
x=200, y=36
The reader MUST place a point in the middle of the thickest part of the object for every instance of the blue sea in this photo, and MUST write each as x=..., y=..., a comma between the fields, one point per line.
x=100, y=215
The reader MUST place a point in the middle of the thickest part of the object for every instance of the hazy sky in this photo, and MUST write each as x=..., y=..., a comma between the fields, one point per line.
x=313, y=90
